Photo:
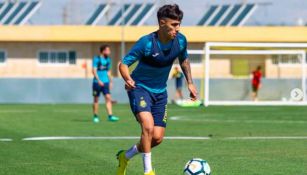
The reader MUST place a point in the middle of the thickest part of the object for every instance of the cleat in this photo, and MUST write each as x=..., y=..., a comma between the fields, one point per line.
x=96, y=119
x=150, y=173
x=122, y=162
x=113, y=118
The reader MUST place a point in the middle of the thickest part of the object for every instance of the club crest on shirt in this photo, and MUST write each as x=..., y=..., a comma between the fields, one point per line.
x=143, y=103
x=102, y=67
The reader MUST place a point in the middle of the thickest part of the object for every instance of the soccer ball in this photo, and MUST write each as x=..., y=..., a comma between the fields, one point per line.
x=197, y=166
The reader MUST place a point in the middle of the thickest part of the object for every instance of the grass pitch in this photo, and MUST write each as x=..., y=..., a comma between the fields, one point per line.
x=244, y=140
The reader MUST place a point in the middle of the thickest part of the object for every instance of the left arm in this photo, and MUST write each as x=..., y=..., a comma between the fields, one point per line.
x=186, y=69
x=110, y=79
x=109, y=66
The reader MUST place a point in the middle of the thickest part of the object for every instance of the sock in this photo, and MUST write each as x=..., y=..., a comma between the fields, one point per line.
x=132, y=152
x=110, y=116
x=95, y=115
x=147, y=162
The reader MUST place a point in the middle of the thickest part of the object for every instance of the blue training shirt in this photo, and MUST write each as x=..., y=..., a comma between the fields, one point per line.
x=152, y=73
x=103, y=65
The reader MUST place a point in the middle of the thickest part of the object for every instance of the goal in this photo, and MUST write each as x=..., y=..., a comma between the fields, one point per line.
x=228, y=68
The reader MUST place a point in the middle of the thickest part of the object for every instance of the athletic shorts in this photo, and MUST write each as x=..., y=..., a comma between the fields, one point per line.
x=178, y=84
x=97, y=89
x=142, y=100
x=255, y=88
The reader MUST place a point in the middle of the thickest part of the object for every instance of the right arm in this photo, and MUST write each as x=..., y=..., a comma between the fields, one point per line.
x=134, y=55
x=124, y=71
x=94, y=71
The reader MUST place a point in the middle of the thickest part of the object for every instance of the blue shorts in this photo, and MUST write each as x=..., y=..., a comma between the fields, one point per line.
x=142, y=100
x=178, y=84
x=100, y=89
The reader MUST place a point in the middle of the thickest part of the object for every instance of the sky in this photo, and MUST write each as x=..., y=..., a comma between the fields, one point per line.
x=269, y=12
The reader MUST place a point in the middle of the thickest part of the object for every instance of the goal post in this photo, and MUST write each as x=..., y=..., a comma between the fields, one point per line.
x=294, y=52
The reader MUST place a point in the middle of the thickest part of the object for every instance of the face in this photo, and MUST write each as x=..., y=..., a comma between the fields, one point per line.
x=106, y=52
x=169, y=27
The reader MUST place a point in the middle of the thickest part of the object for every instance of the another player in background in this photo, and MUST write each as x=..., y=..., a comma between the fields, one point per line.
x=178, y=75
x=146, y=86
x=256, y=83
x=102, y=82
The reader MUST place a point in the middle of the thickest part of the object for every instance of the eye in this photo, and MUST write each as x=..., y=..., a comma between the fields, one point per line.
x=176, y=24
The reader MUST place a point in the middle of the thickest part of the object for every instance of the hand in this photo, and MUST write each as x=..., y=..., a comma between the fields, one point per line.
x=193, y=92
x=100, y=83
x=110, y=85
x=130, y=84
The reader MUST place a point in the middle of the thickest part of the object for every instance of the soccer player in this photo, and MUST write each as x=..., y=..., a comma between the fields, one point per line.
x=256, y=83
x=178, y=75
x=146, y=86
x=102, y=82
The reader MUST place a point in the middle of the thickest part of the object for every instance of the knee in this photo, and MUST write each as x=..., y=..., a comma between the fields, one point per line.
x=108, y=98
x=148, y=130
x=157, y=140
x=96, y=99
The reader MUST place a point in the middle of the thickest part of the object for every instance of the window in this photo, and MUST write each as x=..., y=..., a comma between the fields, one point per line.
x=2, y=57
x=195, y=58
x=286, y=59
x=72, y=56
x=57, y=57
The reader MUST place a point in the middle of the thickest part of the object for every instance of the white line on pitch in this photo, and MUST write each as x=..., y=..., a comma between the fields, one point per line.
x=268, y=138
x=108, y=138
x=182, y=118
x=17, y=111
x=80, y=138
x=79, y=110
x=167, y=138
x=5, y=140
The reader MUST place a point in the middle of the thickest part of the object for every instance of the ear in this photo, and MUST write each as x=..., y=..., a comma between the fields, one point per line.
x=162, y=22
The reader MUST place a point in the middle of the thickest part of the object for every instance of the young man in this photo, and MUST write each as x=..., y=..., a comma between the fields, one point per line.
x=102, y=82
x=178, y=75
x=146, y=85
x=256, y=83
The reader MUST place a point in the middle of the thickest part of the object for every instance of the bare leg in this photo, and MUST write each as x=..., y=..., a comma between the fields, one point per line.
x=176, y=95
x=180, y=94
x=108, y=100
x=147, y=125
x=255, y=95
x=96, y=105
x=158, y=136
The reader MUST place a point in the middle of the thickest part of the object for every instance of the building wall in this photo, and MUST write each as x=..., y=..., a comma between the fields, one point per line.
x=22, y=61
x=284, y=71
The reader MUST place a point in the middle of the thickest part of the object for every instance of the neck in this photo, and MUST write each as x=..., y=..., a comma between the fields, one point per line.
x=162, y=37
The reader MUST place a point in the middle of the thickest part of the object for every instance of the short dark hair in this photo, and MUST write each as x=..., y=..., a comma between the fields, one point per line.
x=171, y=11
x=103, y=47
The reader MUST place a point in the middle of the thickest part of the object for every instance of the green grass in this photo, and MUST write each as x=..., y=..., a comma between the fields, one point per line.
x=91, y=157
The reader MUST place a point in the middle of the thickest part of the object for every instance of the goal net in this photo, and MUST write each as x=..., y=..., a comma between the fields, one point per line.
x=229, y=76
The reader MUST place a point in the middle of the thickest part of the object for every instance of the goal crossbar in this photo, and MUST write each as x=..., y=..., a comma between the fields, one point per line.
x=209, y=51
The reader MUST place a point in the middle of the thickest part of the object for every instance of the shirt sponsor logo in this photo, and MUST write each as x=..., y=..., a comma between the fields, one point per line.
x=155, y=55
